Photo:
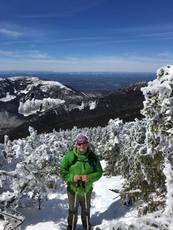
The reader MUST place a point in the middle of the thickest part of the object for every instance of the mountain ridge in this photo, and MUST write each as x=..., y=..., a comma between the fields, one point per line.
x=48, y=105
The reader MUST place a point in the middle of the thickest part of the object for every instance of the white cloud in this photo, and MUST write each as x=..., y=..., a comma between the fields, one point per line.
x=10, y=54
x=166, y=54
x=36, y=54
x=10, y=33
x=95, y=64
x=31, y=54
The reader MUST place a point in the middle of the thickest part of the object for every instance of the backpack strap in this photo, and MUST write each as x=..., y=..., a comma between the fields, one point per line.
x=92, y=160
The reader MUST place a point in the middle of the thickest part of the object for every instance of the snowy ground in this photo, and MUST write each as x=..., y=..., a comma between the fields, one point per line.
x=105, y=208
x=106, y=211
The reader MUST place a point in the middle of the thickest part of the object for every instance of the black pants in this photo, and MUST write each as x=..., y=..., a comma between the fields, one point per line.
x=73, y=212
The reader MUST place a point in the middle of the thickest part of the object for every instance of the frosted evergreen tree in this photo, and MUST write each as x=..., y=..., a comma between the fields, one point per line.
x=140, y=170
x=154, y=153
x=8, y=196
x=158, y=109
x=112, y=145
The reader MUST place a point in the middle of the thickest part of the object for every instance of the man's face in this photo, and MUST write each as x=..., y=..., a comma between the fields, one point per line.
x=82, y=147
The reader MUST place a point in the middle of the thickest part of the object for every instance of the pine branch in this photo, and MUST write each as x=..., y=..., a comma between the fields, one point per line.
x=115, y=190
x=11, y=174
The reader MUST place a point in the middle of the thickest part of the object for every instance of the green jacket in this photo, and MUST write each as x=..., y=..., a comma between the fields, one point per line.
x=76, y=164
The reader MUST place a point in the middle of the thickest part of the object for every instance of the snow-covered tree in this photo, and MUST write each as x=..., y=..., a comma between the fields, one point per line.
x=144, y=179
x=111, y=151
x=152, y=162
x=158, y=109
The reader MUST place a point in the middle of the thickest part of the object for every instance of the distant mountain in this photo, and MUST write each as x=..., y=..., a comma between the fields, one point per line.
x=48, y=105
x=23, y=99
x=90, y=82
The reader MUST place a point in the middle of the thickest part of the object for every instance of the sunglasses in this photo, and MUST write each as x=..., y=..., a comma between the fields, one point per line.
x=79, y=144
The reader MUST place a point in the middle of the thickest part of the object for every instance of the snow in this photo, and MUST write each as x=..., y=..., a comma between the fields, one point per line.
x=23, y=77
x=82, y=106
x=36, y=81
x=171, y=226
x=6, y=196
x=159, y=108
x=105, y=207
x=43, y=226
x=7, y=98
x=33, y=106
x=92, y=105
x=106, y=210
x=52, y=83
x=1, y=225
x=23, y=91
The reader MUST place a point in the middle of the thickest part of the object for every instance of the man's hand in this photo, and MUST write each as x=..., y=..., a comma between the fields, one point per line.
x=85, y=178
x=77, y=178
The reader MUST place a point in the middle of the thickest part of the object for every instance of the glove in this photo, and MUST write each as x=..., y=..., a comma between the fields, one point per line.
x=85, y=178
x=76, y=178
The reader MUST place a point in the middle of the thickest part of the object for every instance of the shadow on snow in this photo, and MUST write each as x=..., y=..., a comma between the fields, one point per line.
x=52, y=210
x=114, y=211
x=56, y=210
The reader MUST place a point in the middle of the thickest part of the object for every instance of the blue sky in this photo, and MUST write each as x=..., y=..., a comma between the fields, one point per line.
x=86, y=35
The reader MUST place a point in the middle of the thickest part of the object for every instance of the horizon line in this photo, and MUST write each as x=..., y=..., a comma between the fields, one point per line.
x=69, y=72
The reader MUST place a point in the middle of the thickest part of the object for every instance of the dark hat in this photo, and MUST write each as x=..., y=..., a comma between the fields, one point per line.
x=81, y=138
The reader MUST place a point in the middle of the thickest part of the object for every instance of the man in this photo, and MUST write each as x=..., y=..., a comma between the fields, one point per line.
x=80, y=168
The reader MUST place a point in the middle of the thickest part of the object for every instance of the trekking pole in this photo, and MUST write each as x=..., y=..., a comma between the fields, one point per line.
x=75, y=204
x=86, y=209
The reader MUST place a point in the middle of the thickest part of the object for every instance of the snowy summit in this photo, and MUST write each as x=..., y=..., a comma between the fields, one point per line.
x=22, y=98
x=136, y=191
